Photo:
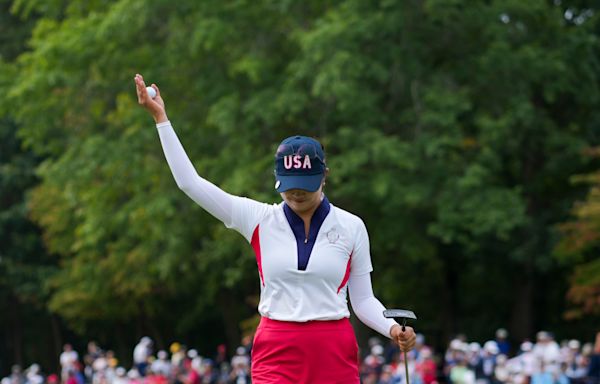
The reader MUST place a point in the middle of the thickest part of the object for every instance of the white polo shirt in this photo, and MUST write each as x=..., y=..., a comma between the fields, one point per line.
x=289, y=293
x=297, y=284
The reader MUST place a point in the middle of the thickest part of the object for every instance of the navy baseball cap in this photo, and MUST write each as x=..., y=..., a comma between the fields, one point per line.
x=299, y=164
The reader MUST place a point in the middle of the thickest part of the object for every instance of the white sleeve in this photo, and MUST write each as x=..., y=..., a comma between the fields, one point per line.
x=361, y=253
x=239, y=213
x=210, y=197
x=366, y=306
x=247, y=213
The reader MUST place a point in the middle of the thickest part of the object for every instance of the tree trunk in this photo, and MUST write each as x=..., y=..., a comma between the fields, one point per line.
x=57, y=341
x=231, y=319
x=155, y=334
x=521, y=325
x=16, y=330
x=448, y=296
x=124, y=346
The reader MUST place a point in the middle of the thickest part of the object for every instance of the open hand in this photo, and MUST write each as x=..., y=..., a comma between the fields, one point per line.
x=155, y=106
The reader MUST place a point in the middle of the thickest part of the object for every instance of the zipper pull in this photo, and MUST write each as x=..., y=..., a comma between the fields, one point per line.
x=305, y=240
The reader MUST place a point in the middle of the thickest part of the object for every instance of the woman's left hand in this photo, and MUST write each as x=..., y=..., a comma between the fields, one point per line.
x=405, y=339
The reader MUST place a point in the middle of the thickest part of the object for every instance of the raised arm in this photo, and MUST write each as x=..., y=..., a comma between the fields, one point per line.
x=210, y=197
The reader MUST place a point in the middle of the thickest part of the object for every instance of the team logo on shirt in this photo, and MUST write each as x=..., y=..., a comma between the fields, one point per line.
x=333, y=236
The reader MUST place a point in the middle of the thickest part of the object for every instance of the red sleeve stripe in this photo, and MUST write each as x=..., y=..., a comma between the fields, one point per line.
x=256, y=246
x=347, y=275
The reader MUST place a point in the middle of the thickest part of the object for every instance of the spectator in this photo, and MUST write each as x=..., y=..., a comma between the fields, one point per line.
x=190, y=374
x=391, y=350
x=71, y=378
x=141, y=354
x=419, y=346
x=178, y=355
x=484, y=371
x=16, y=375
x=386, y=376
x=133, y=377
x=473, y=355
x=93, y=350
x=221, y=356
x=426, y=368
x=240, y=367
x=247, y=343
x=153, y=377
x=546, y=348
x=501, y=371
x=593, y=375
x=110, y=371
x=210, y=374
x=78, y=373
x=576, y=365
x=524, y=364
x=33, y=375
x=373, y=363
x=120, y=376
x=162, y=365
x=68, y=361
x=502, y=341
x=400, y=369
x=460, y=372
x=454, y=352
x=549, y=374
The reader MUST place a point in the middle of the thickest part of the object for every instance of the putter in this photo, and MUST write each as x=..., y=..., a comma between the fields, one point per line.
x=401, y=314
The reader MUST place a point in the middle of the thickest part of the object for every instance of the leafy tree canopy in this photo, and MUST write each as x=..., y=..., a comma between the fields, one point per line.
x=451, y=127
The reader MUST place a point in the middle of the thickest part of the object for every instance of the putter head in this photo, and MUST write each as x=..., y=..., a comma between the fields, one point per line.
x=399, y=314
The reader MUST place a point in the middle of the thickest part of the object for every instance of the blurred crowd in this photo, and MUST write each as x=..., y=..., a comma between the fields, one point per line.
x=543, y=361
x=178, y=365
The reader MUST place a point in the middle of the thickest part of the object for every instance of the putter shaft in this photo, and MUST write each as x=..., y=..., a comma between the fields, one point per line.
x=403, y=315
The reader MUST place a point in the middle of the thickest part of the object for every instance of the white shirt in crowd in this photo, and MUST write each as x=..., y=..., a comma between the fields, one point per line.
x=142, y=351
x=68, y=360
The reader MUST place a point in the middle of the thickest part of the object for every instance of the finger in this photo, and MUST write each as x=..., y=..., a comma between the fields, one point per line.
x=402, y=340
x=141, y=89
x=157, y=91
x=404, y=335
x=406, y=341
x=407, y=345
x=138, y=88
x=139, y=81
x=139, y=78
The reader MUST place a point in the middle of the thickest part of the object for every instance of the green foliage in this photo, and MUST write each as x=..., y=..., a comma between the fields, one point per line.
x=451, y=128
x=25, y=266
x=579, y=245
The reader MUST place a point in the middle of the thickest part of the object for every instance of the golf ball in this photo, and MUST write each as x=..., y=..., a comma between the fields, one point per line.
x=151, y=92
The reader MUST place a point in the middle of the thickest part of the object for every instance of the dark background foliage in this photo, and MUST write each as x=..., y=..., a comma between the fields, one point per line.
x=459, y=131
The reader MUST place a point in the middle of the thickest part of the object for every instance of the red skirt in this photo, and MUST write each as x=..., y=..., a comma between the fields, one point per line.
x=315, y=352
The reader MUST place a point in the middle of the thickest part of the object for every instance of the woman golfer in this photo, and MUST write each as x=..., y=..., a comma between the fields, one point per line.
x=309, y=253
